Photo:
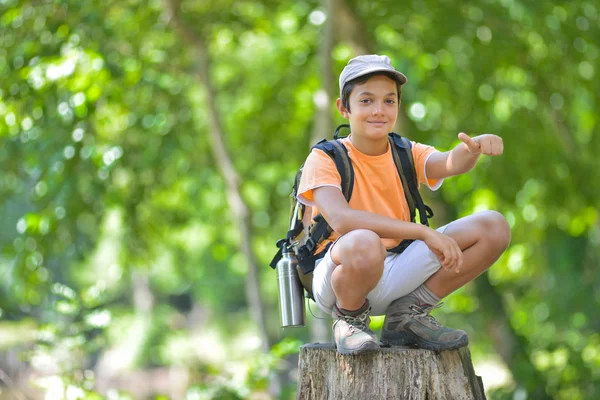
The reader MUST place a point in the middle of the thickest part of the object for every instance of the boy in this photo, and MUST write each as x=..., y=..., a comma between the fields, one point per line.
x=357, y=275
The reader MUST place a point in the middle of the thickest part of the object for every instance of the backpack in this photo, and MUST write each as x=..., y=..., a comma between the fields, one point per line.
x=304, y=234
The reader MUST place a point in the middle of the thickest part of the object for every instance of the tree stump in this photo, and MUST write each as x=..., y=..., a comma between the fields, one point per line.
x=392, y=373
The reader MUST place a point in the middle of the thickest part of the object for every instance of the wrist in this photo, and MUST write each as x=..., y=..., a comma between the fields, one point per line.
x=423, y=232
x=463, y=149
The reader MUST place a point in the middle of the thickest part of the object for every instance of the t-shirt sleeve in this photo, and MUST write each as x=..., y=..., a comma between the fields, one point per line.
x=421, y=153
x=319, y=170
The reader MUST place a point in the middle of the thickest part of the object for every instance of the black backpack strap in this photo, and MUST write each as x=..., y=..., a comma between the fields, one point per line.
x=336, y=134
x=278, y=255
x=320, y=229
x=298, y=225
x=339, y=154
x=405, y=170
x=403, y=158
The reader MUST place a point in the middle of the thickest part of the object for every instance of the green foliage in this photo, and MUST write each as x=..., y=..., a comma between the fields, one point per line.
x=117, y=226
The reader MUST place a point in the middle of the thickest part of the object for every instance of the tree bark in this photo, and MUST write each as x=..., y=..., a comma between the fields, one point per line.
x=390, y=373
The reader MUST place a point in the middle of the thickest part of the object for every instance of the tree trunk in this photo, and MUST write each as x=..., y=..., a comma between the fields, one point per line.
x=323, y=125
x=350, y=28
x=390, y=373
x=320, y=328
x=224, y=162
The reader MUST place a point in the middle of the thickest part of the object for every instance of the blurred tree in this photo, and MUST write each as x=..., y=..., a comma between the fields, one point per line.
x=111, y=193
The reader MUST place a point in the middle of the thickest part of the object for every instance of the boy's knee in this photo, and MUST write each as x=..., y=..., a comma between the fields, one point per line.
x=496, y=229
x=363, y=250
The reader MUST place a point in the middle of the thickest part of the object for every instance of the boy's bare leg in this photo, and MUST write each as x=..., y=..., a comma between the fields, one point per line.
x=359, y=256
x=483, y=237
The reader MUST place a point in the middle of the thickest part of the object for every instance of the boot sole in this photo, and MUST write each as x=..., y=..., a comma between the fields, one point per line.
x=412, y=340
x=367, y=347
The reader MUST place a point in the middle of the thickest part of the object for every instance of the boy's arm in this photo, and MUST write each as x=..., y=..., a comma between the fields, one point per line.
x=335, y=209
x=463, y=157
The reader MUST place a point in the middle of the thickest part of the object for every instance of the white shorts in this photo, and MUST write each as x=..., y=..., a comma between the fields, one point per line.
x=402, y=273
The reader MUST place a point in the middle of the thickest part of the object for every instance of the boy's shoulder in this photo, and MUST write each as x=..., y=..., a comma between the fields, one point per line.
x=326, y=149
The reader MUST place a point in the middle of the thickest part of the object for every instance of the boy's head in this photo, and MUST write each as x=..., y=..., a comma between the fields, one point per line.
x=360, y=69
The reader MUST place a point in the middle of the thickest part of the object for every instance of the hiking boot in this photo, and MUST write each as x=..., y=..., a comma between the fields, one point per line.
x=351, y=332
x=408, y=323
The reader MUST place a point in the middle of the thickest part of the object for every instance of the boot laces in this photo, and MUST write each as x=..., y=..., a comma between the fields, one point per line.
x=424, y=311
x=357, y=322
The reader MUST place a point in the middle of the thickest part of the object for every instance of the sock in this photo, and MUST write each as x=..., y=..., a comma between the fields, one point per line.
x=353, y=313
x=424, y=295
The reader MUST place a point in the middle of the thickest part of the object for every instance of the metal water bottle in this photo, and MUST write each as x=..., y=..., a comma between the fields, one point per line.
x=291, y=292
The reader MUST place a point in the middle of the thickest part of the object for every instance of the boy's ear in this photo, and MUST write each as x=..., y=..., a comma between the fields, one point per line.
x=343, y=111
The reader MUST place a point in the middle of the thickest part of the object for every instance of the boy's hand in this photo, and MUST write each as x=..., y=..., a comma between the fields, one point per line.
x=446, y=249
x=490, y=145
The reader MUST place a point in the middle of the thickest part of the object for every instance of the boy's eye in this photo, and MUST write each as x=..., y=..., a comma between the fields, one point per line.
x=390, y=101
x=365, y=100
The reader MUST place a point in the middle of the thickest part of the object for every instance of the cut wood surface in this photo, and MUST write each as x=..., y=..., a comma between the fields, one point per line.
x=391, y=373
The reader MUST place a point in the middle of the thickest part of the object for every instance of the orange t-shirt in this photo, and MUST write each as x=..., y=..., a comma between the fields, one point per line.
x=377, y=186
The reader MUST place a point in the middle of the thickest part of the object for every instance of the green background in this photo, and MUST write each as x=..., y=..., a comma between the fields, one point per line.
x=148, y=148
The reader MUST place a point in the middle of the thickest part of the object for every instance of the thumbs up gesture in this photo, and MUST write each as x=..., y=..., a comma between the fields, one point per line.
x=490, y=145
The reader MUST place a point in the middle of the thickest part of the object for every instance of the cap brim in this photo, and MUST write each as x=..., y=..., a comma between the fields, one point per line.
x=401, y=77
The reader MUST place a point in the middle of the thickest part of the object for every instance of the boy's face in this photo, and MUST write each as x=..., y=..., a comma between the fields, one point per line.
x=374, y=108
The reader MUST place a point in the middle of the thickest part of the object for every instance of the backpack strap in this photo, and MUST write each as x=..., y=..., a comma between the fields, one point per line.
x=339, y=154
x=336, y=134
x=403, y=158
x=405, y=164
x=321, y=229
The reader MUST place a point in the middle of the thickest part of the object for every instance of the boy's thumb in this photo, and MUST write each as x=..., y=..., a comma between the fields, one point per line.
x=468, y=141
